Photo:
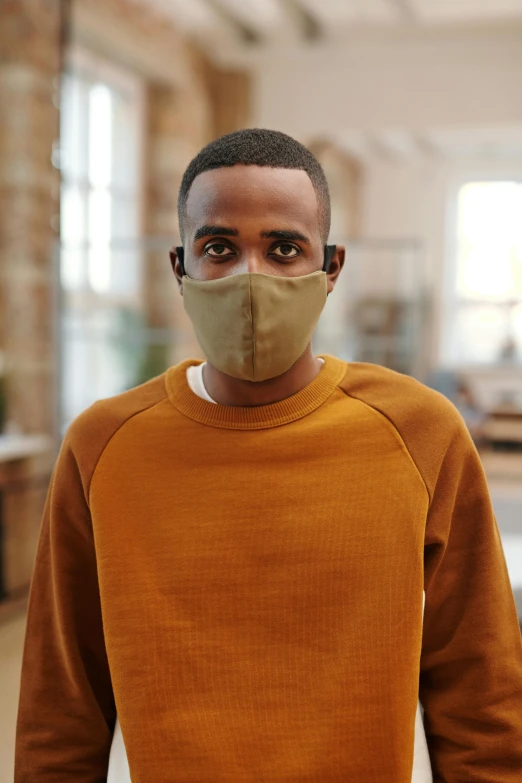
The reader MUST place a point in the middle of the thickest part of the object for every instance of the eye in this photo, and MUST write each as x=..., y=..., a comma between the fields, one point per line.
x=217, y=249
x=286, y=250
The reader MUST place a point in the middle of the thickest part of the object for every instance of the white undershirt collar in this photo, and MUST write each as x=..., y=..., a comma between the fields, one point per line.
x=195, y=380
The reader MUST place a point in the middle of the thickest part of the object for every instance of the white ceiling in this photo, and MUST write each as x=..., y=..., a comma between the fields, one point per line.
x=228, y=29
x=266, y=19
x=493, y=144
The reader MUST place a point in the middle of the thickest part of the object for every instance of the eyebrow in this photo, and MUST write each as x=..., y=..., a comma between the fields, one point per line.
x=215, y=231
x=288, y=235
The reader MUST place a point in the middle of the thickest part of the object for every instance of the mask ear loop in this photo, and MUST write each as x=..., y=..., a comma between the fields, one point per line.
x=329, y=253
x=181, y=258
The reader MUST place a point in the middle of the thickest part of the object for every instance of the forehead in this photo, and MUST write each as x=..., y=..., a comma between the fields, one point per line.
x=269, y=197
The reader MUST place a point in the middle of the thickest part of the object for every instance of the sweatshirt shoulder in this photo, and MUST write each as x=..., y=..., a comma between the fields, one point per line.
x=399, y=397
x=89, y=433
x=425, y=419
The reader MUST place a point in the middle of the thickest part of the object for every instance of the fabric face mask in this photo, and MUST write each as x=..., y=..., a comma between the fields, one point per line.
x=254, y=326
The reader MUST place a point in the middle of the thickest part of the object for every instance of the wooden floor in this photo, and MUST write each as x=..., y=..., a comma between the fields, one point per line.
x=11, y=643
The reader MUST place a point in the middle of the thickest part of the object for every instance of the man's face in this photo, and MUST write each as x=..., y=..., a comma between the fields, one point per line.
x=251, y=219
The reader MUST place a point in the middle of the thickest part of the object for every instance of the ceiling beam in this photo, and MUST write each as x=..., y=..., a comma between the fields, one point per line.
x=310, y=27
x=406, y=10
x=246, y=32
x=397, y=144
x=355, y=143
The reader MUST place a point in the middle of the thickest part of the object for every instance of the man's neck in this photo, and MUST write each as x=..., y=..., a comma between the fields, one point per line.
x=226, y=390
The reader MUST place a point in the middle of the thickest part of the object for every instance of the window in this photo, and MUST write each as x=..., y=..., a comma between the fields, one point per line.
x=485, y=313
x=100, y=264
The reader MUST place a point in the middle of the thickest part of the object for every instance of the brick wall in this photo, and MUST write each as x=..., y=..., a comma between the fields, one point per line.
x=29, y=192
x=188, y=103
x=177, y=127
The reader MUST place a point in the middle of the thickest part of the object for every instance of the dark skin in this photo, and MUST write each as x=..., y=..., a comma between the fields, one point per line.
x=255, y=219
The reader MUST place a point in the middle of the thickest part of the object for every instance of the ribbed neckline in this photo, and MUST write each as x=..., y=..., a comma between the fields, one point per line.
x=253, y=418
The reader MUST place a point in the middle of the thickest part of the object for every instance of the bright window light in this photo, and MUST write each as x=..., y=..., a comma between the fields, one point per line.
x=490, y=241
x=100, y=136
x=100, y=212
x=100, y=259
x=484, y=324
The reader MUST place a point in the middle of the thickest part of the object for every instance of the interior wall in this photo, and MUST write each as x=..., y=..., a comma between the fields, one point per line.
x=138, y=39
x=29, y=189
x=230, y=95
x=174, y=136
x=412, y=80
x=418, y=81
x=344, y=175
x=416, y=199
x=180, y=120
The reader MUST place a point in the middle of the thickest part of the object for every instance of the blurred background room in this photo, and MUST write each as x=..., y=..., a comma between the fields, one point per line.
x=413, y=107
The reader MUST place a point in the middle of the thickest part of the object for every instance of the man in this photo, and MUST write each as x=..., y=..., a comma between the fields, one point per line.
x=235, y=555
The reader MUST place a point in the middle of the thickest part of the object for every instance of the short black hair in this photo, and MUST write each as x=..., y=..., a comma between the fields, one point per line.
x=258, y=147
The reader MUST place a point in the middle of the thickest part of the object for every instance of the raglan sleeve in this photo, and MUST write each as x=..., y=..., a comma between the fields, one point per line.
x=471, y=661
x=66, y=712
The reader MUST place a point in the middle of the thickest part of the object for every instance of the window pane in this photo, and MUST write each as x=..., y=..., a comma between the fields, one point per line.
x=73, y=119
x=126, y=271
x=72, y=216
x=480, y=333
x=125, y=217
x=100, y=135
x=124, y=177
x=516, y=330
x=490, y=241
x=72, y=210
x=102, y=354
x=100, y=208
x=101, y=256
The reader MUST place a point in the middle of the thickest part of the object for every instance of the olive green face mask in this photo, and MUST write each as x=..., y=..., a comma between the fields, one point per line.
x=254, y=326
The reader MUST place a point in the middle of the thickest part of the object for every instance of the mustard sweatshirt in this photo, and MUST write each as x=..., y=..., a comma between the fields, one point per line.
x=244, y=588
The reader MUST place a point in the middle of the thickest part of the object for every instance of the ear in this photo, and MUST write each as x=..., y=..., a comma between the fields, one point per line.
x=176, y=268
x=334, y=270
